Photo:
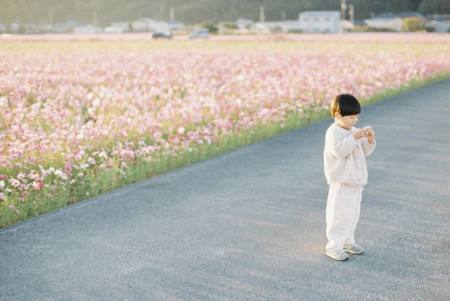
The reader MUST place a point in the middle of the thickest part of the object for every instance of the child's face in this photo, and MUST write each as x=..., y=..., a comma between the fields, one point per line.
x=346, y=121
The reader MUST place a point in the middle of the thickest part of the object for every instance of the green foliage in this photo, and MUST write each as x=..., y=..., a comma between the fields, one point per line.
x=413, y=24
x=212, y=28
x=22, y=29
x=435, y=7
x=229, y=25
x=95, y=182
x=193, y=11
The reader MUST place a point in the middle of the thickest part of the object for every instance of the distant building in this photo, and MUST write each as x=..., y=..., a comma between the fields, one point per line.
x=438, y=23
x=258, y=27
x=144, y=24
x=310, y=21
x=63, y=27
x=277, y=26
x=31, y=28
x=175, y=25
x=244, y=23
x=140, y=25
x=14, y=27
x=46, y=28
x=147, y=24
x=161, y=27
x=390, y=21
x=320, y=21
x=117, y=27
x=385, y=22
x=87, y=29
x=112, y=29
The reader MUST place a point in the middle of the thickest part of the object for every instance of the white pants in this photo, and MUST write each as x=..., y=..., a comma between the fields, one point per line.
x=342, y=215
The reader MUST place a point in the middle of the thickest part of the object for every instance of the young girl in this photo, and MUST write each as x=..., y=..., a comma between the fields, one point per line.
x=346, y=172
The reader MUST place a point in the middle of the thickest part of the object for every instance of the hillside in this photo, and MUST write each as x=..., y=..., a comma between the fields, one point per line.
x=193, y=11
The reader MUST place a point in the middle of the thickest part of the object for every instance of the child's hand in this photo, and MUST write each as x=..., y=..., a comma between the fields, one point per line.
x=370, y=134
x=360, y=133
x=370, y=138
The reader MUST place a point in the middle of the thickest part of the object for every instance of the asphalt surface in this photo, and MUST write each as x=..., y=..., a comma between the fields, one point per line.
x=250, y=225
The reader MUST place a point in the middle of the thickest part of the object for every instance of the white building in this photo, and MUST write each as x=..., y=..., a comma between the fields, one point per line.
x=175, y=25
x=88, y=29
x=143, y=24
x=146, y=24
x=63, y=27
x=117, y=27
x=112, y=29
x=439, y=23
x=244, y=23
x=162, y=27
x=385, y=21
x=14, y=27
x=320, y=21
x=277, y=26
x=139, y=25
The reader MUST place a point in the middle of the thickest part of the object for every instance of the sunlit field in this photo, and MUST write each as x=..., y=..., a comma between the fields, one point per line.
x=83, y=115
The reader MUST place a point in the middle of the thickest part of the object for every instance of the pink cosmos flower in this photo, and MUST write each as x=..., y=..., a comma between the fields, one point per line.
x=81, y=108
x=61, y=174
x=180, y=130
x=38, y=185
x=14, y=182
x=68, y=167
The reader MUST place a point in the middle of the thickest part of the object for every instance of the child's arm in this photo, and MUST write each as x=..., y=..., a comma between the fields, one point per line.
x=341, y=146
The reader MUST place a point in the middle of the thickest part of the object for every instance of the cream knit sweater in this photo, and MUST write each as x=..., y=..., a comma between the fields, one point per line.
x=345, y=157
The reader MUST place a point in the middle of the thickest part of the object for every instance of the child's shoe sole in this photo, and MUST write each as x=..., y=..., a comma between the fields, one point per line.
x=337, y=256
x=354, y=252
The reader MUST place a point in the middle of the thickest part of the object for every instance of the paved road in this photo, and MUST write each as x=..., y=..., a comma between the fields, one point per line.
x=250, y=225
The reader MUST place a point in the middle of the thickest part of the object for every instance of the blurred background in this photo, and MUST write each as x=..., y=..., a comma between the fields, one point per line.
x=221, y=16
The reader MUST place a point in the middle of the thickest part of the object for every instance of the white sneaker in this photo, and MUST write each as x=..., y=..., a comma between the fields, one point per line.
x=353, y=249
x=337, y=255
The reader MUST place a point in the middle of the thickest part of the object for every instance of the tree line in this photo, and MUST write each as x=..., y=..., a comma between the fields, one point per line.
x=195, y=11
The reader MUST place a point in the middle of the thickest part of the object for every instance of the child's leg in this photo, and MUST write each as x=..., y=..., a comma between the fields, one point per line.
x=357, y=204
x=341, y=213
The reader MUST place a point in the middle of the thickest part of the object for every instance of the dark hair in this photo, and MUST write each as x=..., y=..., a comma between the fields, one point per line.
x=345, y=104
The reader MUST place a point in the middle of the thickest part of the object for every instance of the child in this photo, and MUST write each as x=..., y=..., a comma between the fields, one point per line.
x=346, y=172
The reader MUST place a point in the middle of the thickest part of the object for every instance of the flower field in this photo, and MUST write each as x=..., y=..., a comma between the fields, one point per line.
x=81, y=117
